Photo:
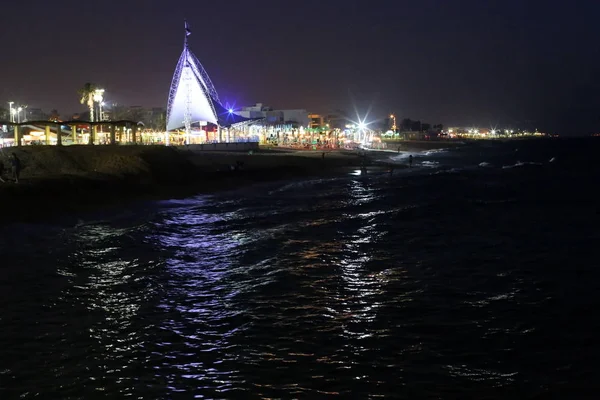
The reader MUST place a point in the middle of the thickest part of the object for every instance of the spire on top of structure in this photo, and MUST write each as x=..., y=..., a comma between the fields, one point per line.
x=188, y=32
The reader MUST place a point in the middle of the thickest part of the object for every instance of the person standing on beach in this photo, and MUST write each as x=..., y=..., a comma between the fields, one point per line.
x=16, y=167
x=1, y=171
x=410, y=159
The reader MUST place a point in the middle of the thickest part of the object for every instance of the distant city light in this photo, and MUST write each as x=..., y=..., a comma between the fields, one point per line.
x=230, y=111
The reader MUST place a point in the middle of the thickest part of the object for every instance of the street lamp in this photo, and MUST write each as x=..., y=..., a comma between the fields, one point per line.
x=12, y=113
x=98, y=97
x=100, y=114
x=362, y=126
x=393, y=117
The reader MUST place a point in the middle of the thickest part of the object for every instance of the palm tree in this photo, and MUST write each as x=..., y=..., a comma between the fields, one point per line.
x=87, y=97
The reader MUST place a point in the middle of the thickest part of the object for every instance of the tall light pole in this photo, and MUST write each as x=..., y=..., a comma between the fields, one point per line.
x=19, y=114
x=393, y=117
x=98, y=97
x=11, y=112
x=100, y=114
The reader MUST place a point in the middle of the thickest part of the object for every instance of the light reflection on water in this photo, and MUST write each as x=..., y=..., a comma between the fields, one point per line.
x=352, y=287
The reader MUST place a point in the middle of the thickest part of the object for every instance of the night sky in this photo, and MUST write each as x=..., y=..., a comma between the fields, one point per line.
x=530, y=64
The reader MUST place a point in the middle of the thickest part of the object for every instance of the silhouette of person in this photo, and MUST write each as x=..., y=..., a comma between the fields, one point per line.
x=1, y=171
x=16, y=167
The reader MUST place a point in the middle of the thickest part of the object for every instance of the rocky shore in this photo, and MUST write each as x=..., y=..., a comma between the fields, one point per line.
x=57, y=180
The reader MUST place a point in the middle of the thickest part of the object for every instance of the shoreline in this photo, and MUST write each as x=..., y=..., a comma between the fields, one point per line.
x=57, y=181
x=61, y=181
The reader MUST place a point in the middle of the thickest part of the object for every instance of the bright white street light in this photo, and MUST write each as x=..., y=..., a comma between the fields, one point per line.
x=98, y=95
x=19, y=109
x=12, y=111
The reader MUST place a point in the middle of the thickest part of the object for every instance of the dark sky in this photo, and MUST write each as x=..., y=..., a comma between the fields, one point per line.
x=533, y=64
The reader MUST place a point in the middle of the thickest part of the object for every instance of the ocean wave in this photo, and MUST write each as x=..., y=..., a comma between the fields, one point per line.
x=449, y=171
x=430, y=164
x=521, y=164
x=400, y=157
x=434, y=152
x=301, y=185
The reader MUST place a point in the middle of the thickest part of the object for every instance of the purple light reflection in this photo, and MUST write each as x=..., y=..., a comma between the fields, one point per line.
x=197, y=314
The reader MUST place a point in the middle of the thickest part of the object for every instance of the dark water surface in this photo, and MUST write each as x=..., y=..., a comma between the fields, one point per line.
x=450, y=280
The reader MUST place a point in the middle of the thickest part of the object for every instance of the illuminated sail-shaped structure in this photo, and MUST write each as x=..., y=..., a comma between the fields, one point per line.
x=192, y=97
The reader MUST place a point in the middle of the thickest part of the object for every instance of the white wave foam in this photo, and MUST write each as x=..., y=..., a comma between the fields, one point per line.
x=430, y=164
x=190, y=201
x=485, y=164
x=553, y=159
x=448, y=171
x=433, y=152
x=401, y=156
x=521, y=164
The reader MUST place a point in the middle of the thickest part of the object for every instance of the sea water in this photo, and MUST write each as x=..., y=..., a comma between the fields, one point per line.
x=473, y=274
